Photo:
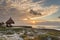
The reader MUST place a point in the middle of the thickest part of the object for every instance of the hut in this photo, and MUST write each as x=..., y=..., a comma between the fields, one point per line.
x=9, y=22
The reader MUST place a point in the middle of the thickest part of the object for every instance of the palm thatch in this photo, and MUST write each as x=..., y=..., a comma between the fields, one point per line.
x=10, y=21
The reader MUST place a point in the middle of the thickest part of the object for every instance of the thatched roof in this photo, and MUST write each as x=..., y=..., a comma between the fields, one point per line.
x=10, y=21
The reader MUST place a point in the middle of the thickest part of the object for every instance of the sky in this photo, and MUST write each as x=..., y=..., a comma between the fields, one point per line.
x=19, y=10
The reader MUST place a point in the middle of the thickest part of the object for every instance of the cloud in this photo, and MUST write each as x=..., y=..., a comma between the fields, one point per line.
x=25, y=5
x=19, y=9
x=48, y=11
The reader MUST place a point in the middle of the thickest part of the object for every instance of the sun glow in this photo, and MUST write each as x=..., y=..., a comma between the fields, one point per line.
x=28, y=20
x=33, y=22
